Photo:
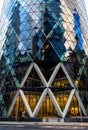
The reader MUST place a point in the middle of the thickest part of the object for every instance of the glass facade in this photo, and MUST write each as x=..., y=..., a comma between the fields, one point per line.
x=43, y=58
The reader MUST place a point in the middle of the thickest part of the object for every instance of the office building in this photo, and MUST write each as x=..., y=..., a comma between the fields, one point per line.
x=43, y=58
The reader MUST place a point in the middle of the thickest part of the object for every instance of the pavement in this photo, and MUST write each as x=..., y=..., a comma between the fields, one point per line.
x=45, y=123
x=42, y=126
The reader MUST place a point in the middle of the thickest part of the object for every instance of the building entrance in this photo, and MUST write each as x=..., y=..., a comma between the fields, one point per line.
x=47, y=108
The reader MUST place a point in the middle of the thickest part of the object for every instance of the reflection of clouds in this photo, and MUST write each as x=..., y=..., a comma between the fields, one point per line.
x=2, y=36
x=68, y=25
x=1, y=4
x=86, y=3
x=83, y=19
x=31, y=9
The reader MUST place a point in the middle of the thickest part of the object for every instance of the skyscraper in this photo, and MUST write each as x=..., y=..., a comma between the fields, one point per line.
x=43, y=58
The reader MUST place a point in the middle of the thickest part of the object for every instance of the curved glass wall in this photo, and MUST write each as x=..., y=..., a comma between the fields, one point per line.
x=43, y=58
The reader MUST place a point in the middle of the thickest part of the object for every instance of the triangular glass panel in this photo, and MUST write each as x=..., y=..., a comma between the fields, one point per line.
x=61, y=97
x=33, y=97
x=81, y=82
x=19, y=71
x=39, y=43
x=47, y=108
x=74, y=109
x=47, y=27
x=18, y=107
x=46, y=57
x=41, y=35
x=10, y=84
x=3, y=103
x=75, y=66
x=84, y=97
x=22, y=51
x=6, y=66
x=58, y=45
x=47, y=73
x=14, y=112
x=21, y=36
x=23, y=55
x=61, y=82
x=33, y=82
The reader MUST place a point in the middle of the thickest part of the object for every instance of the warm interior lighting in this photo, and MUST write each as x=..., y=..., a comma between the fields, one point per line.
x=47, y=107
x=65, y=99
x=76, y=82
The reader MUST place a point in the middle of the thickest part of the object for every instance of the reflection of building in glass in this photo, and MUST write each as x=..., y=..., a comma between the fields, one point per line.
x=43, y=58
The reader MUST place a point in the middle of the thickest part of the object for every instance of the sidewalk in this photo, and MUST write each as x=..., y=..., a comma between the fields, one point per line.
x=45, y=123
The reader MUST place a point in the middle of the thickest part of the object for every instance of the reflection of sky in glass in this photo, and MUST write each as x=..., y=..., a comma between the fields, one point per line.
x=33, y=15
x=1, y=3
x=86, y=2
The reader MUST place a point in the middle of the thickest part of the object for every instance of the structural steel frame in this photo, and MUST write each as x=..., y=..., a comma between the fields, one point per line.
x=46, y=91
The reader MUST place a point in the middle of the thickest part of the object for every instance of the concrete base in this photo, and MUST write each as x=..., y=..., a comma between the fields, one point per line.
x=76, y=119
x=67, y=119
x=37, y=119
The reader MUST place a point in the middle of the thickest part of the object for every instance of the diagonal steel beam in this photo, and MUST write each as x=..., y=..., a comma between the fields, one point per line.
x=26, y=103
x=67, y=75
x=68, y=103
x=40, y=74
x=12, y=104
x=53, y=75
x=36, y=110
x=80, y=103
x=26, y=75
x=58, y=109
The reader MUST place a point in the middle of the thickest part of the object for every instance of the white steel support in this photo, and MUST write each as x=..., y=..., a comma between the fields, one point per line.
x=47, y=91
x=68, y=102
x=67, y=75
x=53, y=75
x=40, y=74
x=26, y=75
x=40, y=102
x=12, y=104
x=26, y=103
x=59, y=111
x=80, y=103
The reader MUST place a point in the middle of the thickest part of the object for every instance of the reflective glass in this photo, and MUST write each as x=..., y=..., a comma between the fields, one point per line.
x=43, y=33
